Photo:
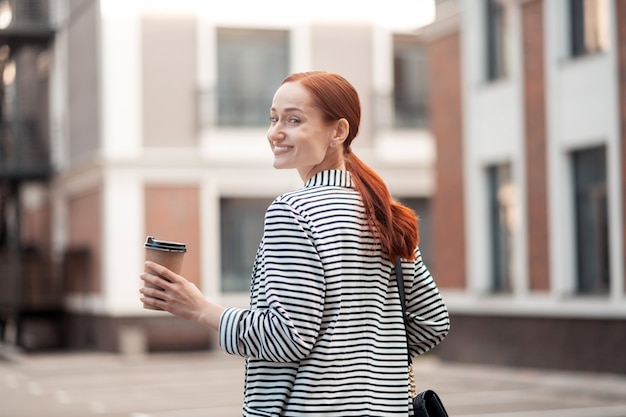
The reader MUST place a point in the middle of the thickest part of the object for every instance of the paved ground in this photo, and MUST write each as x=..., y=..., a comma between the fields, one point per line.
x=210, y=384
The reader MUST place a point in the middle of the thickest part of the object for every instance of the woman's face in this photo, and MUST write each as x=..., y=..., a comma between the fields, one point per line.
x=299, y=136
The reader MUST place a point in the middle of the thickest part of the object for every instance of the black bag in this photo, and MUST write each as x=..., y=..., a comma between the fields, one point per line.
x=427, y=403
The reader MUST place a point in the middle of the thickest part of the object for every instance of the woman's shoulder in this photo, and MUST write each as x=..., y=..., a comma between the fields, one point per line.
x=325, y=184
x=312, y=202
x=314, y=193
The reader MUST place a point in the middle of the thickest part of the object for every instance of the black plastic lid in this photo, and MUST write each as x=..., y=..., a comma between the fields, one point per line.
x=164, y=245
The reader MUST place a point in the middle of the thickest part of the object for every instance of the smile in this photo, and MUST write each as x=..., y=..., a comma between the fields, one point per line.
x=282, y=148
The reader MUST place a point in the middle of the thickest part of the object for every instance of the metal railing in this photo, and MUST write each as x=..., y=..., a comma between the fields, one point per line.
x=28, y=13
x=27, y=21
x=23, y=152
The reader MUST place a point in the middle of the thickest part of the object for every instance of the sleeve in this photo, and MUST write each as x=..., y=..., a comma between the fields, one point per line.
x=285, y=326
x=428, y=317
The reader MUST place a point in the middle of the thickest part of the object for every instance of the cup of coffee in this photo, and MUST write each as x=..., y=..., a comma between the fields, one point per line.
x=166, y=253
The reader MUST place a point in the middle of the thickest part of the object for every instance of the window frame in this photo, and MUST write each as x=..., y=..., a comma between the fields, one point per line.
x=410, y=111
x=500, y=208
x=237, y=256
x=496, y=28
x=591, y=240
x=587, y=35
x=248, y=98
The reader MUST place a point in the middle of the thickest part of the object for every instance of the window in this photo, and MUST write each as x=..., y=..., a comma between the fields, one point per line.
x=589, y=26
x=241, y=232
x=410, y=79
x=250, y=66
x=590, y=204
x=496, y=39
x=501, y=222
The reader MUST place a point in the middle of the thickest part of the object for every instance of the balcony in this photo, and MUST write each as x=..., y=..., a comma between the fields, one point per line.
x=26, y=22
x=24, y=154
x=26, y=29
x=26, y=32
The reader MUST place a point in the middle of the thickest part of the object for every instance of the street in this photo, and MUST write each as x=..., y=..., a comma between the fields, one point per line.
x=202, y=384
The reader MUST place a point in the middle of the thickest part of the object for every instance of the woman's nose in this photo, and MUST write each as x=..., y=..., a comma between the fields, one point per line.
x=274, y=133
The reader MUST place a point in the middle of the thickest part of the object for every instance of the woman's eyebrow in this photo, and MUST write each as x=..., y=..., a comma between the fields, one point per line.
x=287, y=109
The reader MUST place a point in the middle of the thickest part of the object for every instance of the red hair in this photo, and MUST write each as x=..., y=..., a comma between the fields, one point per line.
x=393, y=223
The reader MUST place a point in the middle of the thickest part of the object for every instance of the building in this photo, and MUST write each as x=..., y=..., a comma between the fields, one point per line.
x=158, y=113
x=26, y=33
x=502, y=123
x=528, y=109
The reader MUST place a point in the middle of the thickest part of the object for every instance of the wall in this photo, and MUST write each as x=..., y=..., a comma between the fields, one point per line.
x=536, y=146
x=168, y=64
x=447, y=126
x=537, y=342
x=150, y=165
x=83, y=78
x=549, y=105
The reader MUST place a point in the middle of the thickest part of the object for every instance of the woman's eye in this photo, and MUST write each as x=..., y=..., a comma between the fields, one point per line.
x=292, y=120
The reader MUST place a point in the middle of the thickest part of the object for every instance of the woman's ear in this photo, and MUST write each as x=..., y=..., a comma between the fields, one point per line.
x=341, y=131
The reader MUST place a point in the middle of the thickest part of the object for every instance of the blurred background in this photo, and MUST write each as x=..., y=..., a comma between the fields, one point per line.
x=502, y=123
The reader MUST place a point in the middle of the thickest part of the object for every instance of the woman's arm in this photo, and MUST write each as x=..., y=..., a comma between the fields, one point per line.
x=428, y=318
x=288, y=294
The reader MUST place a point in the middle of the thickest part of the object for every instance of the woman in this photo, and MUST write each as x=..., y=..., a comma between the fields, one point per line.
x=324, y=334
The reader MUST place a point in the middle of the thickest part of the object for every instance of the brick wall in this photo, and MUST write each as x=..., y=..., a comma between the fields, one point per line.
x=535, y=137
x=84, y=236
x=173, y=213
x=556, y=343
x=446, y=123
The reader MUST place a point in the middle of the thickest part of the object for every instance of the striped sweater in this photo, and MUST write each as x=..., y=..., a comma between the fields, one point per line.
x=324, y=334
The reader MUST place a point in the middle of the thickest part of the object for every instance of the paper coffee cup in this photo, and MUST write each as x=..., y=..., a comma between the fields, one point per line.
x=166, y=253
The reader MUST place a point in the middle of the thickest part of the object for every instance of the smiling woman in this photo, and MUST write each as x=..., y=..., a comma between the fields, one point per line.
x=325, y=333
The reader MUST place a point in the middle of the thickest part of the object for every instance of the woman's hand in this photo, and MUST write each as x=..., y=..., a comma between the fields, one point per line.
x=178, y=296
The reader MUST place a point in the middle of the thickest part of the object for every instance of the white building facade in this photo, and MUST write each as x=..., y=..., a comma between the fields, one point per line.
x=159, y=112
x=539, y=196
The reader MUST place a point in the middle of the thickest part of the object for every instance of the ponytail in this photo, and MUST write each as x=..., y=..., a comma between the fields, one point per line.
x=392, y=222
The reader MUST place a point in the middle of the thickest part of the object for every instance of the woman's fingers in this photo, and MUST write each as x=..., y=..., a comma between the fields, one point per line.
x=161, y=271
x=167, y=290
x=154, y=281
x=157, y=279
x=153, y=292
x=152, y=297
x=178, y=296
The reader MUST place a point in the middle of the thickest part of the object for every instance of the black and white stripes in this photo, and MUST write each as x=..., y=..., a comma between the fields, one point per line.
x=324, y=334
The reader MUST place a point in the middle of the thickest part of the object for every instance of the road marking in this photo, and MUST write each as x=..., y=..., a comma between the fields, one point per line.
x=34, y=388
x=62, y=397
x=98, y=407
x=228, y=411
x=11, y=381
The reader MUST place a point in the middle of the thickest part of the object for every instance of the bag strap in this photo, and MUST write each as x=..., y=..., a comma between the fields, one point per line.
x=400, y=280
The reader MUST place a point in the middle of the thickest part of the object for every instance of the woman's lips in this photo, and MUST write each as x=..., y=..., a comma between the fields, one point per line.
x=282, y=149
